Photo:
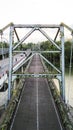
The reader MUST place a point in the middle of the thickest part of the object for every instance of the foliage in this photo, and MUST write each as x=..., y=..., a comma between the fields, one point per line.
x=4, y=45
x=67, y=53
x=47, y=46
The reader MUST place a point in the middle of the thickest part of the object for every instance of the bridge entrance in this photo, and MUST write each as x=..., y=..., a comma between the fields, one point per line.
x=59, y=72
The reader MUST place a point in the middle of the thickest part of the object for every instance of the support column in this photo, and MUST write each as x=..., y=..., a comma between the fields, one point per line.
x=62, y=63
x=10, y=63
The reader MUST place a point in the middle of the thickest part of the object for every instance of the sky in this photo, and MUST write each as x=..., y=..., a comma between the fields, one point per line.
x=36, y=12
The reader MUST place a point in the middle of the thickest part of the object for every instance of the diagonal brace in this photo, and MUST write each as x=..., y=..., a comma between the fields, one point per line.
x=24, y=38
x=16, y=34
x=56, y=34
x=23, y=62
x=45, y=34
x=50, y=63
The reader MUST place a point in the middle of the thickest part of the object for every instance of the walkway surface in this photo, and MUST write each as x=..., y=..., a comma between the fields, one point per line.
x=36, y=109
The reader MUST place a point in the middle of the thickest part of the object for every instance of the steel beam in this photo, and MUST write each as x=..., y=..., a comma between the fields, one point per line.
x=44, y=33
x=45, y=51
x=37, y=51
x=16, y=35
x=10, y=63
x=36, y=75
x=62, y=63
x=56, y=34
x=36, y=26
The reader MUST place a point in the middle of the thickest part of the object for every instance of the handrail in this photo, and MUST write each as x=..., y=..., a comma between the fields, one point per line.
x=66, y=26
x=4, y=28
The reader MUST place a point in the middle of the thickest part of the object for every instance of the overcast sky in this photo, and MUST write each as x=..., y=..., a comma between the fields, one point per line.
x=36, y=11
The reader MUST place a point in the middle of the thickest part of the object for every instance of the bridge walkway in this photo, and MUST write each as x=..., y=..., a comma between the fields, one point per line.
x=36, y=109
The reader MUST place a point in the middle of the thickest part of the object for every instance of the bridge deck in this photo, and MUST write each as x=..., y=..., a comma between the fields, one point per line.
x=36, y=110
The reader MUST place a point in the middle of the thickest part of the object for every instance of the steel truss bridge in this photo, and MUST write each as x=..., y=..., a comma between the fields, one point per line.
x=36, y=76
x=59, y=49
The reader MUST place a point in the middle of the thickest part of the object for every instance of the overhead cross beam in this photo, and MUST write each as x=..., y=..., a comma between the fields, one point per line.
x=36, y=26
x=27, y=75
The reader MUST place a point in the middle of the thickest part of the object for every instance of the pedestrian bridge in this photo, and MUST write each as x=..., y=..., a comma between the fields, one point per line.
x=34, y=103
x=38, y=106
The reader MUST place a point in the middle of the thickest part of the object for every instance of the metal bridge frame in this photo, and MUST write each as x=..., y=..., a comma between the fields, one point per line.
x=60, y=49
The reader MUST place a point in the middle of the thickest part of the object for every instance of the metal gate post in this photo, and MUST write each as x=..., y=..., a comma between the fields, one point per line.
x=62, y=63
x=10, y=63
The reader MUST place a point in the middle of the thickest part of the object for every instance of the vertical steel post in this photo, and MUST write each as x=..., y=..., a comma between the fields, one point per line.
x=62, y=63
x=10, y=63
